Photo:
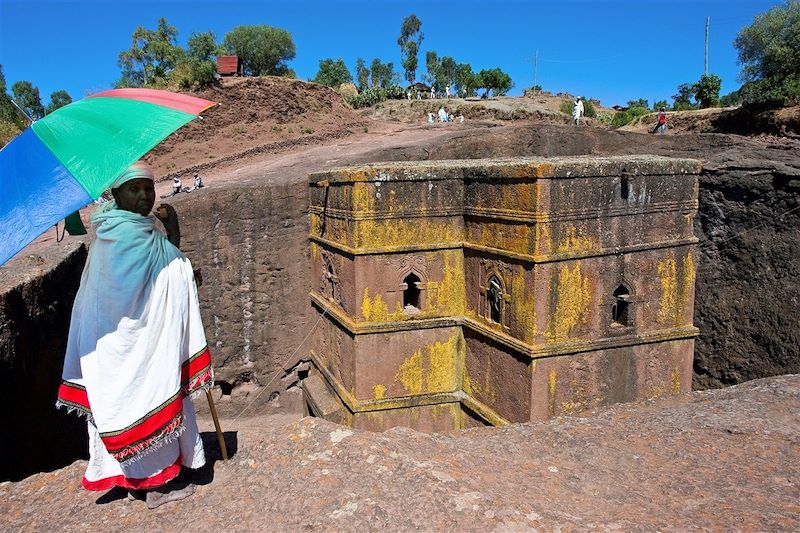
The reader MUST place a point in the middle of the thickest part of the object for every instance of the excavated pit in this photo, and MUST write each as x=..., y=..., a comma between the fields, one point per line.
x=252, y=245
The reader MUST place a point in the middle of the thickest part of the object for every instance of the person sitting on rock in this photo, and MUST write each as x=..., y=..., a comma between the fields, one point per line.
x=176, y=185
x=136, y=349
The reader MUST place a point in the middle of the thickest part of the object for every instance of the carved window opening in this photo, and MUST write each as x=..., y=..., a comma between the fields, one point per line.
x=620, y=309
x=624, y=188
x=494, y=299
x=412, y=291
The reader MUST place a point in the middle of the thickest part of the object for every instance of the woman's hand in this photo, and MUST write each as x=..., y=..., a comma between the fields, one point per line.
x=169, y=218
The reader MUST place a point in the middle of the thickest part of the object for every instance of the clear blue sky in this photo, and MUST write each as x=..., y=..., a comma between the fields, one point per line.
x=614, y=50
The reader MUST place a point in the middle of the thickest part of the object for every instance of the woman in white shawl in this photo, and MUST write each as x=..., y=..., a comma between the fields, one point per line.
x=137, y=350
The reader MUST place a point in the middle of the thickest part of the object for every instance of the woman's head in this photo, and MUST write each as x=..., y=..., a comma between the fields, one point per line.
x=134, y=189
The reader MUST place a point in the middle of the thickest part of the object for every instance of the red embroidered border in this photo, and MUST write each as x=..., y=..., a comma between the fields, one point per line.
x=162, y=478
x=155, y=425
x=73, y=395
x=196, y=372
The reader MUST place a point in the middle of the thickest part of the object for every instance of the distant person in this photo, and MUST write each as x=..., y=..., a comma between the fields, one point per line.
x=442, y=115
x=419, y=96
x=408, y=95
x=176, y=185
x=198, y=182
x=577, y=111
x=447, y=91
x=460, y=118
x=433, y=92
x=430, y=118
x=661, y=123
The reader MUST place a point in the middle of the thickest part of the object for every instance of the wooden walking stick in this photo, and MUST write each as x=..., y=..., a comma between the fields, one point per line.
x=220, y=438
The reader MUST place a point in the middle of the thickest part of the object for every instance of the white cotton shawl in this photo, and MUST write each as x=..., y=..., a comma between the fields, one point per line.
x=135, y=325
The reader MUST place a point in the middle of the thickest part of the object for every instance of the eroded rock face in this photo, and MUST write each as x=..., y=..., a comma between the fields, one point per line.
x=251, y=243
x=34, y=319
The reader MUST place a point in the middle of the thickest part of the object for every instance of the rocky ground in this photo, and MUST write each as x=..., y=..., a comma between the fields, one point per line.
x=724, y=460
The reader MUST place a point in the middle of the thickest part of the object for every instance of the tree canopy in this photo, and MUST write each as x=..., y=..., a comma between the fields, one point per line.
x=26, y=95
x=495, y=81
x=382, y=74
x=410, y=41
x=58, y=99
x=706, y=90
x=202, y=46
x=332, y=73
x=152, y=56
x=362, y=74
x=264, y=50
x=769, y=52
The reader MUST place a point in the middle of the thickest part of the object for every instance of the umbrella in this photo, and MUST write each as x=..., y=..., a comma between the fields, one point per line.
x=70, y=157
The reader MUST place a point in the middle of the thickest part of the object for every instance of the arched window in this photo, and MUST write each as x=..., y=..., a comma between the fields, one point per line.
x=494, y=296
x=412, y=291
x=620, y=309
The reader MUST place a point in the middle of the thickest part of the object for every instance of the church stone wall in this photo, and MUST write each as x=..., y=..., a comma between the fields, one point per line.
x=510, y=290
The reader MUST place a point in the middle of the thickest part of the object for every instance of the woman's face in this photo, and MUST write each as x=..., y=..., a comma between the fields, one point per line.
x=136, y=195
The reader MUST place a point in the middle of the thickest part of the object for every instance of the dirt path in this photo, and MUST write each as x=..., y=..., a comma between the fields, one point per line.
x=292, y=165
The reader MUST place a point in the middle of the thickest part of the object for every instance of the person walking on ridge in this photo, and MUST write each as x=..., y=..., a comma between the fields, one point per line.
x=577, y=111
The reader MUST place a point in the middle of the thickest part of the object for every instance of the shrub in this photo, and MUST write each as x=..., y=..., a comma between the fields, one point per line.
x=626, y=117
x=375, y=95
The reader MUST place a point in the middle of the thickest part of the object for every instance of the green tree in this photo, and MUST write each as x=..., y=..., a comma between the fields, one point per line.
x=202, y=46
x=332, y=73
x=706, y=90
x=26, y=95
x=362, y=74
x=465, y=79
x=658, y=105
x=9, y=115
x=731, y=99
x=264, y=50
x=682, y=100
x=152, y=56
x=410, y=41
x=641, y=102
x=58, y=99
x=495, y=81
x=769, y=52
x=382, y=73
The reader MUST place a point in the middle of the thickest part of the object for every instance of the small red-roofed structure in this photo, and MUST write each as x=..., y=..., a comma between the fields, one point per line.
x=229, y=66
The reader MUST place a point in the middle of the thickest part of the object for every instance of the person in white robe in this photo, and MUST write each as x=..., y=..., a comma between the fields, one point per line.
x=137, y=351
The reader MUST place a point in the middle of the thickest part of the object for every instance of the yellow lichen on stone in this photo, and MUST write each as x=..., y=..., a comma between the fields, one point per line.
x=448, y=297
x=361, y=197
x=441, y=372
x=523, y=307
x=544, y=238
x=410, y=373
x=574, y=242
x=668, y=277
x=676, y=380
x=375, y=309
x=435, y=371
x=688, y=279
x=388, y=233
x=380, y=391
x=315, y=255
x=573, y=296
